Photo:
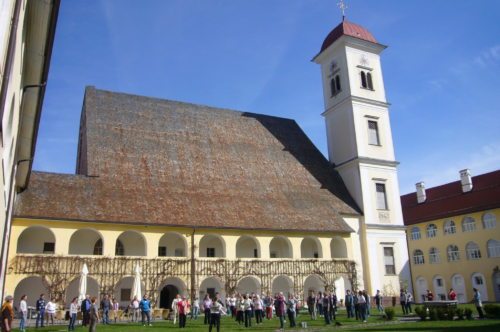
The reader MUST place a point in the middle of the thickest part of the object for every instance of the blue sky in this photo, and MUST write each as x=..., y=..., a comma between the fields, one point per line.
x=441, y=70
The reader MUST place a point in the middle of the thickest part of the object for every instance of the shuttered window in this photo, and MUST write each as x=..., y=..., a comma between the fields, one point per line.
x=389, y=260
x=381, y=196
x=373, y=133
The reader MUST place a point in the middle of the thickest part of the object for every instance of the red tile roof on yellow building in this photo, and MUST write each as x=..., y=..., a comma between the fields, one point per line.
x=448, y=200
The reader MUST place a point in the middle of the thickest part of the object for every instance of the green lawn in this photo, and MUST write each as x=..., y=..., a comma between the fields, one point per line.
x=374, y=324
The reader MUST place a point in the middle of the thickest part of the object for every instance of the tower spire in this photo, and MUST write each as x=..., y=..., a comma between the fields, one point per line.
x=341, y=4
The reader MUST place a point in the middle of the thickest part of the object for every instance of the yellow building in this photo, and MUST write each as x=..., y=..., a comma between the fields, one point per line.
x=453, y=237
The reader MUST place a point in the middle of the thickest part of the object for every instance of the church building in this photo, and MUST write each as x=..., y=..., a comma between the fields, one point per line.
x=213, y=200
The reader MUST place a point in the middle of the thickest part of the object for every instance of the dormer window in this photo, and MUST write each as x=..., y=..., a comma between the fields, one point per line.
x=366, y=80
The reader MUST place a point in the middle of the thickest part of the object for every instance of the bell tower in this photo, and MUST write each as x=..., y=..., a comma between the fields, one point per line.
x=361, y=149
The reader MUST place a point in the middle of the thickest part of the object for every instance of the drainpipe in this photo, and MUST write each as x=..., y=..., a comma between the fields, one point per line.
x=193, y=268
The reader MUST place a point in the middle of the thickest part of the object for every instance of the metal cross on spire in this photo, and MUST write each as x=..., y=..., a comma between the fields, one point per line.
x=342, y=7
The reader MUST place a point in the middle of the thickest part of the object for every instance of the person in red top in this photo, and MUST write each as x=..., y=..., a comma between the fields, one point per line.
x=452, y=295
x=182, y=311
x=430, y=296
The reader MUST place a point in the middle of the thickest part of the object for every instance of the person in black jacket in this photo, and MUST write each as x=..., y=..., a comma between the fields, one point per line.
x=85, y=307
x=40, y=310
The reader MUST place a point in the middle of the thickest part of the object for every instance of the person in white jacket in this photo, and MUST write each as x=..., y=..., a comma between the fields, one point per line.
x=23, y=307
x=50, y=308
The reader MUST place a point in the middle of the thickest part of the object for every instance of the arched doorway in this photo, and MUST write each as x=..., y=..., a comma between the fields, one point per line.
x=280, y=247
x=85, y=242
x=32, y=287
x=458, y=284
x=496, y=285
x=248, y=285
x=74, y=285
x=210, y=286
x=310, y=248
x=167, y=295
x=421, y=289
x=282, y=284
x=36, y=240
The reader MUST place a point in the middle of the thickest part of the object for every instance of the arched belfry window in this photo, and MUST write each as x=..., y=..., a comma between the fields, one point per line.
x=369, y=81
x=98, y=247
x=333, y=87
x=363, y=80
x=337, y=83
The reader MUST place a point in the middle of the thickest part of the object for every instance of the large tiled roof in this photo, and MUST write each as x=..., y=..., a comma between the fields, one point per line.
x=349, y=29
x=150, y=161
x=448, y=200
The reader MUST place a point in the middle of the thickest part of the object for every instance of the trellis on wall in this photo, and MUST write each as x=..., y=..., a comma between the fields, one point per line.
x=58, y=271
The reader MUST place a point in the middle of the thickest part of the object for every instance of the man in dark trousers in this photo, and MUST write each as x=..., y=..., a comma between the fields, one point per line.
x=40, y=310
x=333, y=306
x=105, y=306
x=349, y=304
x=85, y=307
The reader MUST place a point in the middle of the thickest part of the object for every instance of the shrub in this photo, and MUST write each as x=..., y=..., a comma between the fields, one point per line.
x=441, y=313
x=468, y=313
x=433, y=314
x=450, y=313
x=421, y=312
x=389, y=313
x=492, y=310
x=460, y=313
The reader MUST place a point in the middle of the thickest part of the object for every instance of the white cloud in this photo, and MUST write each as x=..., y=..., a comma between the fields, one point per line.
x=443, y=168
x=489, y=57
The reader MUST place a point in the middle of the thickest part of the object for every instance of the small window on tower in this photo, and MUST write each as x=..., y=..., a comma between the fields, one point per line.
x=369, y=81
x=363, y=80
x=337, y=83
x=333, y=87
x=389, y=261
x=373, y=138
x=381, y=196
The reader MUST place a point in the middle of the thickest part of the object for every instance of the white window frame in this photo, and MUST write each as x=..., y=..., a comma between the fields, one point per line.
x=434, y=257
x=431, y=232
x=415, y=235
x=450, y=227
x=418, y=259
x=385, y=206
x=493, y=248
x=373, y=133
x=453, y=255
x=468, y=224
x=489, y=220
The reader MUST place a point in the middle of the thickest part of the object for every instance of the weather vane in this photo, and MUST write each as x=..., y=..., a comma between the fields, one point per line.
x=342, y=7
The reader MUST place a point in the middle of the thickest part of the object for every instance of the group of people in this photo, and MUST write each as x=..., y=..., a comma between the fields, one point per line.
x=405, y=299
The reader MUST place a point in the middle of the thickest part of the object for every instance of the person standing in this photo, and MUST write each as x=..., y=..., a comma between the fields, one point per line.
x=349, y=304
x=40, y=310
x=181, y=310
x=258, y=307
x=195, y=311
x=378, y=301
x=136, y=311
x=23, y=308
x=247, y=309
x=409, y=299
x=292, y=310
x=93, y=315
x=452, y=295
x=73, y=310
x=362, y=306
x=145, y=306
x=402, y=301
x=356, y=305
x=430, y=296
x=319, y=303
x=85, y=308
x=479, y=304
x=207, y=303
x=216, y=310
x=116, y=307
x=280, y=308
x=326, y=307
x=368, y=303
x=333, y=306
x=105, y=307
x=269, y=306
x=311, y=305
x=7, y=314
x=51, y=311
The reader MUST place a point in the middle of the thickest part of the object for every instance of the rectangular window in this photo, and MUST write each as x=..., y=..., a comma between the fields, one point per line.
x=474, y=253
x=373, y=138
x=316, y=255
x=439, y=282
x=478, y=280
x=179, y=252
x=210, y=252
x=418, y=259
x=415, y=235
x=434, y=258
x=162, y=251
x=389, y=260
x=381, y=196
x=255, y=253
x=49, y=247
x=125, y=294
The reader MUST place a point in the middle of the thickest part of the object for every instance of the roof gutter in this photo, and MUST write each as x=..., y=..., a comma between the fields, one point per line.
x=41, y=93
